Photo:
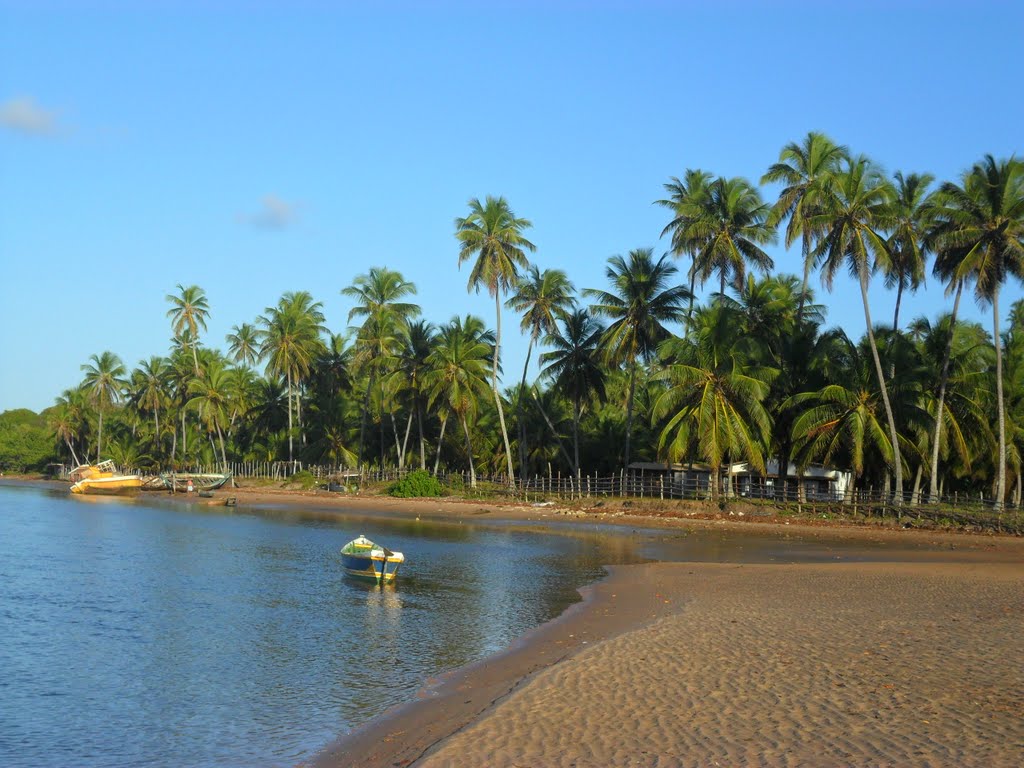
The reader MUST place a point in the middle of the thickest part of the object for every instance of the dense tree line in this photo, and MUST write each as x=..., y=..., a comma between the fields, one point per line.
x=636, y=369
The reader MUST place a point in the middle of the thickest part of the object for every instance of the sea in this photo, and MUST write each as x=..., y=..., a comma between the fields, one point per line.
x=145, y=633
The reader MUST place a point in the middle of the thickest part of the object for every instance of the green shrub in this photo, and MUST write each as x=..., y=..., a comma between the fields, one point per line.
x=418, y=483
x=303, y=479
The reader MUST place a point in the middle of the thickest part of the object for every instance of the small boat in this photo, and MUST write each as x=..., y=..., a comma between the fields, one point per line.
x=103, y=478
x=188, y=482
x=365, y=560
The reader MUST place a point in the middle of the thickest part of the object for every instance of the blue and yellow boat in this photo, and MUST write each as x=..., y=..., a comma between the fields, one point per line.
x=363, y=559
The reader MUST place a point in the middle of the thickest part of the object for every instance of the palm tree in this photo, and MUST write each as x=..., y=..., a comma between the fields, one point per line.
x=456, y=379
x=905, y=257
x=688, y=199
x=806, y=170
x=291, y=340
x=979, y=236
x=103, y=382
x=543, y=298
x=852, y=223
x=715, y=395
x=152, y=389
x=378, y=295
x=67, y=420
x=188, y=313
x=413, y=361
x=493, y=235
x=244, y=344
x=641, y=303
x=730, y=230
x=210, y=397
x=574, y=367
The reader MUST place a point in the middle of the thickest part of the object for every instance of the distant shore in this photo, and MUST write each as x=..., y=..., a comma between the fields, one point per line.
x=912, y=661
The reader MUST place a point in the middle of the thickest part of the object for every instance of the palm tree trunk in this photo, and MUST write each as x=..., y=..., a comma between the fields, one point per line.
x=896, y=460
x=629, y=410
x=72, y=449
x=1001, y=477
x=469, y=452
x=156, y=428
x=693, y=285
x=398, y=444
x=419, y=427
x=497, y=397
x=223, y=453
x=290, y=436
x=99, y=438
x=362, y=424
x=405, y=440
x=519, y=415
x=576, y=435
x=806, y=251
x=933, y=481
x=440, y=442
x=896, y=313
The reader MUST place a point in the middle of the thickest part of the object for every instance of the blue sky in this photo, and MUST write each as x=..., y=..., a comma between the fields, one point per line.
x=258, y=148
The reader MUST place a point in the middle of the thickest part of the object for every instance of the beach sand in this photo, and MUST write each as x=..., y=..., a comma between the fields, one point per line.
x=807, y=665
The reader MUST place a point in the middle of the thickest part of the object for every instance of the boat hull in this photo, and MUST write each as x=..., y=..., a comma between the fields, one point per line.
x=370, y=568
x=107, y=486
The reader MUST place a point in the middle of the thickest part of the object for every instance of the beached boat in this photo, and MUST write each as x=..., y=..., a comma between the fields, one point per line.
x=363, y=559
x=102, y=478
x=192, y=481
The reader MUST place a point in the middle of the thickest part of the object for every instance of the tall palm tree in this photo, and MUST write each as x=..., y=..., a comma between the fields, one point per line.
x=379, y=301
x=806, y=170
x=905, y=256
x=574, y=367
x=979, y=236
x=688, y=199
x=493, y=236
x=853, y=223
x=456, y=378
x=244, y=344
x=104, y=381
x=188, y=312
x=543, y=298
x=640, y=303
x=291, y=340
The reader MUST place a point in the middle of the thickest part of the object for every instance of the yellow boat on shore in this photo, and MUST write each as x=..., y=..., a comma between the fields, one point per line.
x=103, y=478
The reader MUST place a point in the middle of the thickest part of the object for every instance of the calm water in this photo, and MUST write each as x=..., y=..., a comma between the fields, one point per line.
x=139, y=634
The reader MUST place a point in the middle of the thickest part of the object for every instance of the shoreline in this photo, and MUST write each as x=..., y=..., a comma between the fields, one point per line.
x=636, y=605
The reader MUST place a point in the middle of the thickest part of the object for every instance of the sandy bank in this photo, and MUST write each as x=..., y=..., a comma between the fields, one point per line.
x=781, y=665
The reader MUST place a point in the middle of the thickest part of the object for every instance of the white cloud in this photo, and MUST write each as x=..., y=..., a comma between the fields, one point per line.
x=274, y=213
x=23, y=115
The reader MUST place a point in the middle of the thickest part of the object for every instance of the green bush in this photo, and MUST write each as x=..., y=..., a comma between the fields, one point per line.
x=418, y=483
x=303, y=479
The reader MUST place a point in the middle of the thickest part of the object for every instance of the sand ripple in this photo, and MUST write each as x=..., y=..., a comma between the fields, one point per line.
x=840, y=665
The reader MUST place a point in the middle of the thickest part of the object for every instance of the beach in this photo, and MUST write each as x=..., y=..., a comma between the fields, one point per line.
x=910, y=662
x=904, y=651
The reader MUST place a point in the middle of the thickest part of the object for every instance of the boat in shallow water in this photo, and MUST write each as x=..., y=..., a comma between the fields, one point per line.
x=363, y=559
x=103, y=478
